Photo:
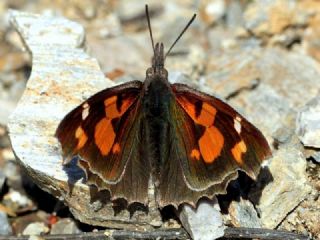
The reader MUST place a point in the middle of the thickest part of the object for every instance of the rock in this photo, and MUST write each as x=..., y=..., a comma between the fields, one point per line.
x=64, y=226
x=8, y=155
x=305, y=219
x=308, y=123
x=137, y=54
x=13, y=61
x=12, y=172
x=109, y=26
x=60, y=65
x=269, y=17
x=316, y=156
x=204, y=222
x=129, y=11
x=234, y=14
x=35, y=228
x=5, y=227
x=290, y=74
x=6, y=108
x=17, y=201
x=33, y=237
x=212, y=11
x=230, y=72
x=243, y=214
x=287, y=187
x=2, y=180
x=20, y=223
x=192, y=65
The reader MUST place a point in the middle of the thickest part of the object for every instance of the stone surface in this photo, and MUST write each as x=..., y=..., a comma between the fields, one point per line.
x=35, y=228
x=5, y=228
x=19, y=224
x=243, y=214
x=65, y=226
x=2, y=180
x=241, y=69
x=60, y=66
x=308, y=123
x=204, y=222
x=212, y=11
x=287, y=187
x=267, y=17
x=263, y=58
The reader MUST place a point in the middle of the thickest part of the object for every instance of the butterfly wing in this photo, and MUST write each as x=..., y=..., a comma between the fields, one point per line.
x=209, y=142
x=105, y=131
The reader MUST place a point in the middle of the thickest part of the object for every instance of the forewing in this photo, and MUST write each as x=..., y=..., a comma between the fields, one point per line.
x=103, y=131
x=210, y=141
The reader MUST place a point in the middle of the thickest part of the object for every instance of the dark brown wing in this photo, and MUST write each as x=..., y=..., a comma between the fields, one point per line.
x=209, y=142
x=105, y=131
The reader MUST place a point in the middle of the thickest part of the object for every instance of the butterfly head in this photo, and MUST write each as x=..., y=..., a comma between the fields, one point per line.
x=157, y=69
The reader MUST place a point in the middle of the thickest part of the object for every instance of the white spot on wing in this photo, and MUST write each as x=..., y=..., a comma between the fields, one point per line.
x=237, y=124
x=85, y=111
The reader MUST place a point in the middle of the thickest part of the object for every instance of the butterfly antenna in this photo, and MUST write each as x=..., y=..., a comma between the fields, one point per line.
x=149, y=26
x=180, y=35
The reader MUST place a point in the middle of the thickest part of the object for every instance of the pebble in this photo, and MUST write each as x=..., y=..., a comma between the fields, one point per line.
x=17, y=201
x=35, y=228
x=203, y=223
x=65, y=226
x=285, y=188
x=2, y=180
x=5, y=227
x=212, y=11
x=308, y=123
x=243, y=214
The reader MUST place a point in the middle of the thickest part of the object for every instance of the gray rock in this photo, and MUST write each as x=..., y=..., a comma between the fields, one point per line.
x=234, y=16
x=212, y=11
x=291, y=75
x=60, y=65
x=316, y=157
x=243, y=214
x=5, y=227
x=203, y=223
x=131, y=10
x=2, y=179
x=308, y=123
x=289, y=185
x=268, y=17
x=6, y=108
x=64, y=226
x=35, y=228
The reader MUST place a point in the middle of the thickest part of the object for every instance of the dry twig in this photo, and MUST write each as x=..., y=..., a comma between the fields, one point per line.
x=230, y=233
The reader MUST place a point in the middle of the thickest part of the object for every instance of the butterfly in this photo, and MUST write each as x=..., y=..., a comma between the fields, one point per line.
x=183, y=142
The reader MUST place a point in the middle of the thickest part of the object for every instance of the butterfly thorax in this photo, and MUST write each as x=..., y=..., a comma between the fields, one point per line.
x=157, y=92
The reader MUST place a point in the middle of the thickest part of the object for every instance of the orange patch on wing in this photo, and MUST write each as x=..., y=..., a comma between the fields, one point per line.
x=116, y=148
x=195, y=154
x=238, y=150
x=211, y=144
x=207, y=113
x=188, y=107
x=104, y=136
x=111, y=107
x=81, y=136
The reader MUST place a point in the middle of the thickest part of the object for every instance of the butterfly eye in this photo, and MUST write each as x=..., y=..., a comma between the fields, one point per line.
x=149, y=72
x=164, y=72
